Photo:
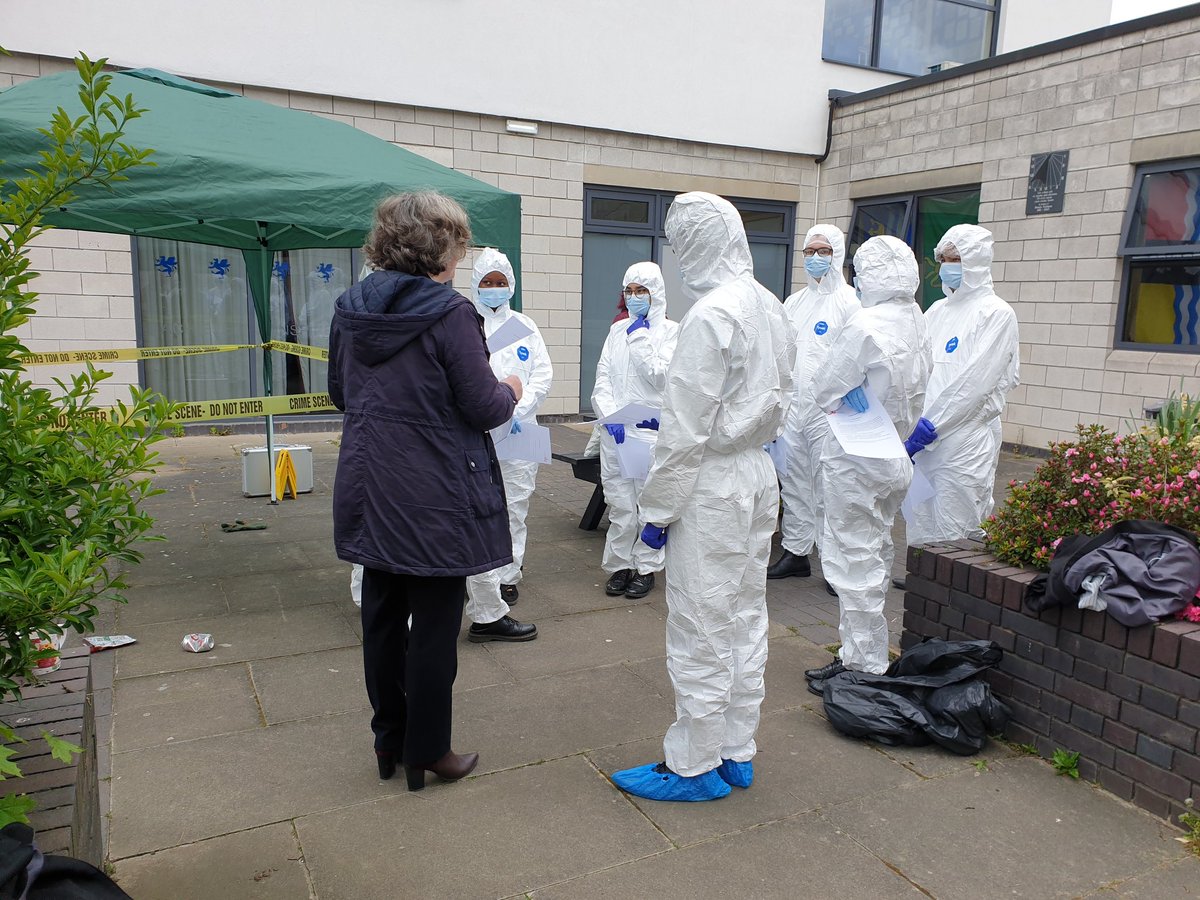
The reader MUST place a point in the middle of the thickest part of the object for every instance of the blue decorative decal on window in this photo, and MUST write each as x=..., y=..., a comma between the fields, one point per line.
x=280, y=270
x=523, y=353
x=325, y=270
x=219, y=267
x=167, y=265
x=952, y=345
x=821, y=327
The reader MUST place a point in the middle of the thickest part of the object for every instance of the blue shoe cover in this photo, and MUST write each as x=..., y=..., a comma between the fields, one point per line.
x=657, y=782
x=736, y=774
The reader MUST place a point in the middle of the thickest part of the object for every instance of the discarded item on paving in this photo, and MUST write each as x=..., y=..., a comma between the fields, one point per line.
x=932, y=693
x=98, y=642
x=198, y=643
x=240, y=525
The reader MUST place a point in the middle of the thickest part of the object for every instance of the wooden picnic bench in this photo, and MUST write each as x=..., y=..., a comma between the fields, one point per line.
x=587, y=468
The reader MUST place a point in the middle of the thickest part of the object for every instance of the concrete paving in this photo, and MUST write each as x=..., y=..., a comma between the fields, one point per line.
x=248, y=772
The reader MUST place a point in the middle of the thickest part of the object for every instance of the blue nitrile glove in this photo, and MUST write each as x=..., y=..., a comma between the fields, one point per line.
x=653, y=536
x=516, y=429
x=652, y=424
x=856, y=400
x=922, y=436
x=617, y=432
x=639, y=322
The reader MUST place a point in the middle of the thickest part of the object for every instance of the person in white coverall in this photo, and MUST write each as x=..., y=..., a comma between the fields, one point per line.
x=817, y=312
x=976, y=357
x=883, y=346
x=490, y=594
x=714, y=488
x=632, y=369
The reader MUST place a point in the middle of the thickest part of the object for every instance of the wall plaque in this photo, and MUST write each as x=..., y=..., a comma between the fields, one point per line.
x=1047, y=183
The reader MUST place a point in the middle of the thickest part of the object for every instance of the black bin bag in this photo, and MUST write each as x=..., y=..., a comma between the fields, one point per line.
x=932, y=694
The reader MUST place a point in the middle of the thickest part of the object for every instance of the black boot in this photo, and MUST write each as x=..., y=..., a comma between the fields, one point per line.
x=509, y=594
x=618, y=582
x=639, y=586
x=826, y=671
x=829, y=589
x=900, y=584
x=505, y=628
x=790, y=564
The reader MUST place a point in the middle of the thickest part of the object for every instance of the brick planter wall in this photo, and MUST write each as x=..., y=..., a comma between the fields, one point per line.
x=1128, y=699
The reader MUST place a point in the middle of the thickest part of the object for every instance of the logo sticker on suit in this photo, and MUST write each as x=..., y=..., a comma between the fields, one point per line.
x=951, y=345
x=523, y=353
x=821, y=327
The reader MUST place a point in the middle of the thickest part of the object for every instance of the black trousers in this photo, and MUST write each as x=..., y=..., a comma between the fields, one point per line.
x=410, y=671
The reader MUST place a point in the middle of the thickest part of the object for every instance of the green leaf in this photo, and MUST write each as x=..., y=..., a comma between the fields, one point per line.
x=8, y=768
x=16, y=808
x=63, y=751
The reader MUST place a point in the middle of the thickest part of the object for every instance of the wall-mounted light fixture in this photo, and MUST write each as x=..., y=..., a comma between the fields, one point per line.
x=518, y=127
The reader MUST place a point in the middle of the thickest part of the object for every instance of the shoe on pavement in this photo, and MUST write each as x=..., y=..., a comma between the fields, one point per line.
x=900, y=583
x=790, y=564
x=736, y=774
x=639, y=586
x=829, y=589
x=509, y=593
x=618, y=582
x=826, y=671
x=506, y=628
x=657, y=782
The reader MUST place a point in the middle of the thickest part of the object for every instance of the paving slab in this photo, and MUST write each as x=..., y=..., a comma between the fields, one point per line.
x=800, y=857
x=1046, y=836
x=193, y=600
x=181, y=706
x=492, y=836
x=274, y=590
x=1180, y=878
x=310, y=684
x=256, y=864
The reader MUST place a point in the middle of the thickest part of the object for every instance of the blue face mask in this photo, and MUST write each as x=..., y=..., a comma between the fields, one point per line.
x=493, y=298
x=638, y=306
x=951, y=275
x=818, y=266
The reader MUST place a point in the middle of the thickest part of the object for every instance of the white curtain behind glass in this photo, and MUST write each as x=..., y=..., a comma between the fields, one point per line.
x=304, y=286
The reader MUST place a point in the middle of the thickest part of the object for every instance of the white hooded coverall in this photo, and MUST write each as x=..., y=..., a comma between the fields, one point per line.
x=817, y=312
x=632, y=369
x=529, y=360
x=976, y=358
x=886, y=345
x=726, y=395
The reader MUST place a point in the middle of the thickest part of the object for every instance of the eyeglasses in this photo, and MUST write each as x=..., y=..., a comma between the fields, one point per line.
x=640, y=292
x=823, y=251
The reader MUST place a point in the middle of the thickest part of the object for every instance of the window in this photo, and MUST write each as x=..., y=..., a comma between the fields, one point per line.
x=1160, y=284
x=191, y=294
x=909, y=37
x=624, y=226
x=919, y=220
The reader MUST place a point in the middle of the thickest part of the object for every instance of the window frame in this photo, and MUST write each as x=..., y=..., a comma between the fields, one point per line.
x=992, y=6
x=1130, y=256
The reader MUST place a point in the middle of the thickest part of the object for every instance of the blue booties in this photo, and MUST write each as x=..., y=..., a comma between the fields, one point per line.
x=736, y=774
x=657, y=782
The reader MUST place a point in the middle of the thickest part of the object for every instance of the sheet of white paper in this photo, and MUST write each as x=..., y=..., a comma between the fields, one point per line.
x=532, y=444
x=630, y=415
x=634, y=456
x=918, y=492
x=509, y=333
x=778, y=450
x=870, y=434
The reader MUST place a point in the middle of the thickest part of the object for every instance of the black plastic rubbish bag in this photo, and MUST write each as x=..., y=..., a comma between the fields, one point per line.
x=932, y=693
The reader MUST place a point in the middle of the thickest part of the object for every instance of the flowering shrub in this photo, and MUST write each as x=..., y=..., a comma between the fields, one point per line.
x=1090, y=484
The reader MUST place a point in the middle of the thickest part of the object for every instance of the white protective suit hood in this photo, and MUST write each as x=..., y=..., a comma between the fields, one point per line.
x=974, y=244
x=491, y=260
x=885, y=269
x=649, y=276
x=709, y=240
x=833, y=280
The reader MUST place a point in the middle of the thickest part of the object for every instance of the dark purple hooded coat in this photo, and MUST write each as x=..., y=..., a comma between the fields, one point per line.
x=418, y=488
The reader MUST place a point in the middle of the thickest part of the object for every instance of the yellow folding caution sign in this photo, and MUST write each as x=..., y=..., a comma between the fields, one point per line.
x=285, y=475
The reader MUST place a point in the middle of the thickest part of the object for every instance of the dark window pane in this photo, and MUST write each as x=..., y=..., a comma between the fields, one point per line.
x=770, y=267
x=1164, y=303
x=609, y=209
x=919, y=36
x=764, y=222
x=849, y=25
x=874, y=219
x=1166, y=212
x=605, y=259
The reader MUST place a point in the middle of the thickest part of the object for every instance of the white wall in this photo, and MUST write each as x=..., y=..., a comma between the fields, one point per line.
x=1024, y=23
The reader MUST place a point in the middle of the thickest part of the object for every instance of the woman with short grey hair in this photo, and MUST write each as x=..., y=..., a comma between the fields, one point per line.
x=418, y=500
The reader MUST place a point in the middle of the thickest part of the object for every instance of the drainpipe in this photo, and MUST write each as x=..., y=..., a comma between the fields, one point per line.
x=834, y=97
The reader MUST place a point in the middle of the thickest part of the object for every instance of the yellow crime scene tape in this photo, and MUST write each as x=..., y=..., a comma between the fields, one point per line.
x=134, y=354
x=240, y=408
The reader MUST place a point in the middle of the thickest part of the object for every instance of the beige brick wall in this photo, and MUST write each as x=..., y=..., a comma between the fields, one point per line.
x=547, y=170
x=1107, y=103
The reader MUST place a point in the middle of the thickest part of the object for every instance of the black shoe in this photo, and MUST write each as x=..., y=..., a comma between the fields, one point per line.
x=506, y=628
x=829, y=590
x=790, y=564
x=900, y=583
x=509, y=594
x=826, y=671
x=618, y=582
x=639, y=586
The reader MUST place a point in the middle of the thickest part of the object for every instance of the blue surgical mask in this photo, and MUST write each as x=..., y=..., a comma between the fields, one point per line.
x=493, y=298
x=638, y=306
x=857, y=289
x=951, y=275
x=818, y=266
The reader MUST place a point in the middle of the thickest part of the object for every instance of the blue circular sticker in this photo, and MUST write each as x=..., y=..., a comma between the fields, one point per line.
x=523, y=353
x=951, y=345
x=821, y=327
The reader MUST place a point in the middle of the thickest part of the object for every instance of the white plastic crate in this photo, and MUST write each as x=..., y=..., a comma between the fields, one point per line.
x=256, y=479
